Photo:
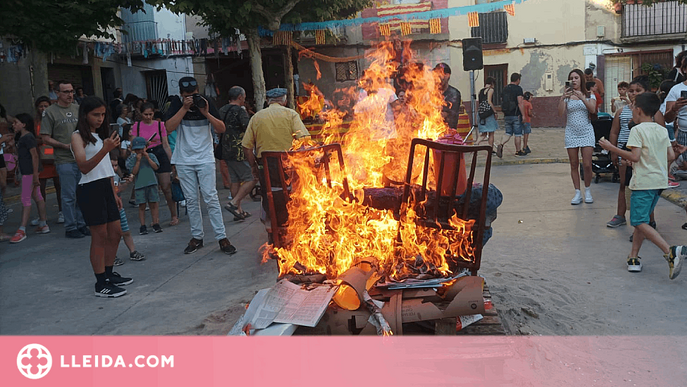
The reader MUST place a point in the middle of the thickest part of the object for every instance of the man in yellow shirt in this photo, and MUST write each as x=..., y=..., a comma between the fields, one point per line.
x=272, y=129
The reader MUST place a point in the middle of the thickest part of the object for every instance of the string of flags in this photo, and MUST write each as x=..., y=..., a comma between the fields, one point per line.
x=434, y=24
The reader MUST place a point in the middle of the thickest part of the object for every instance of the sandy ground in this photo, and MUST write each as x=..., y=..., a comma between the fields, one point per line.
x=556, y=269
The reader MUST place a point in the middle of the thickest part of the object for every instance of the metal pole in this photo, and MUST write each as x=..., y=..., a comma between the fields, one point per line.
x=473, y=101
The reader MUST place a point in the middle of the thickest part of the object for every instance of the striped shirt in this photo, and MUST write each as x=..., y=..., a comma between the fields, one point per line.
x=625, y=118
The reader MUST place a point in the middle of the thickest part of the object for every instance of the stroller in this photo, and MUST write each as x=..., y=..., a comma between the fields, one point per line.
x=601, y=159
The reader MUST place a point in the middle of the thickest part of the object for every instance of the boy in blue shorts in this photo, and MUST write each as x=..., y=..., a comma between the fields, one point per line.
x=650, y=152
x=120, y=185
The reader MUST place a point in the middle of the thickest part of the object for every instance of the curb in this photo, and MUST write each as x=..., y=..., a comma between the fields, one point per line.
x=676, y=197
x=530, y=161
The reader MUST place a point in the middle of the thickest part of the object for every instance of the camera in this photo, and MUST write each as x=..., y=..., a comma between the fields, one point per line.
x=199, y=101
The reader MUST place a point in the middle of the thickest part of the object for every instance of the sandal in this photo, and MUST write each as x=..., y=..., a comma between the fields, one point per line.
x=243, y=216
x=234, y=210
x=174, y=222
x=684, y=226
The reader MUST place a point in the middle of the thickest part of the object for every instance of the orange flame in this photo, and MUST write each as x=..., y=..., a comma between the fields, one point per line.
x=327, y=232
x=317, y=68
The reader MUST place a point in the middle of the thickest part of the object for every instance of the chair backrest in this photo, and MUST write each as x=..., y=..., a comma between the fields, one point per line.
x=276, y=177
x=449, y=192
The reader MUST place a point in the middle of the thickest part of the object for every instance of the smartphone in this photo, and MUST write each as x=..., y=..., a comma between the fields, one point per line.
x=683, y=94
x=567, y=85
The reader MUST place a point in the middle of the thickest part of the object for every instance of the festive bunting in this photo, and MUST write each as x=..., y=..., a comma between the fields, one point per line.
x=405, y=29
x=510, y=8
x=473, y=19
x=385, y=29
x=433, y=14
x=435, y=26
x=282, y=38
x=319, y=37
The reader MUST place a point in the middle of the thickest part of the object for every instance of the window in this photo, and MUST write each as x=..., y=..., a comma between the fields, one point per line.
x=493, y=28
x=346, y=71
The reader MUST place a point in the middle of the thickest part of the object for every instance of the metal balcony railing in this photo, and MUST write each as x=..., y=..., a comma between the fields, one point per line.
x=663, y=18
x=493, y=28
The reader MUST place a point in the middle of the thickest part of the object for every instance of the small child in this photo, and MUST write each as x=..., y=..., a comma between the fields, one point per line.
x=143, y=165
x=526, y=121
x=28, y=164
x=650, y=152
x=622, y=100
x=593, y=88
x=120, y=185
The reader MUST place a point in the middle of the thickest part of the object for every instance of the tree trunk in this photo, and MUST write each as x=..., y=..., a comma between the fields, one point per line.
x=256, y=68
x=288, y=75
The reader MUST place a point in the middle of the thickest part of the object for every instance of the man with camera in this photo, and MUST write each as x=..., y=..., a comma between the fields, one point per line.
x=193, y=117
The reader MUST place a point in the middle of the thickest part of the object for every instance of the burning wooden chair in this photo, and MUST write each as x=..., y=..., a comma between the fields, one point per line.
x=453, y=191
x=278, y=181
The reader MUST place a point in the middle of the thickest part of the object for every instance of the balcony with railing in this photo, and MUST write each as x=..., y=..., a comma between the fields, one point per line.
x=493, y=28
x=661, y=21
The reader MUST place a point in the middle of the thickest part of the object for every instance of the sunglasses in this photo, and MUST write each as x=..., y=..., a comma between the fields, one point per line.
x=189, y=84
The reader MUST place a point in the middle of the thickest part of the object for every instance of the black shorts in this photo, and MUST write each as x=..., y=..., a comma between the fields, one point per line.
x=97, y=202
x=2, y=161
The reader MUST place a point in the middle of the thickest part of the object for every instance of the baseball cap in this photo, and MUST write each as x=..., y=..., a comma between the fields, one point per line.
x=138, y=143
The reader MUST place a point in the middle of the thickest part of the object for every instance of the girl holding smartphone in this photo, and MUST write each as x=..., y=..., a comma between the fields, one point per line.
x=91, y=145
x=577, y=105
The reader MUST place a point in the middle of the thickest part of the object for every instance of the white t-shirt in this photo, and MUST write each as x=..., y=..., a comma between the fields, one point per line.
x=673, y=96
x=377, y=111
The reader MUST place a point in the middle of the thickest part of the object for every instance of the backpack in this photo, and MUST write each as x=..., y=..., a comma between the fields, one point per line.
x=507, y=104
x=484, y=109
x=233, y=135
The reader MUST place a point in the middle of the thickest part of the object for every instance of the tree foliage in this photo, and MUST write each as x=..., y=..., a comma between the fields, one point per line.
x=57, y=25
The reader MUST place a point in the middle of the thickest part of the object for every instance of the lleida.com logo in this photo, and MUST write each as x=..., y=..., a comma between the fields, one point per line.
x=34, y=361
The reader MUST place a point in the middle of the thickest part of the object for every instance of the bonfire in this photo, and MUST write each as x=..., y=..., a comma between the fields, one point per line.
x=332, y=226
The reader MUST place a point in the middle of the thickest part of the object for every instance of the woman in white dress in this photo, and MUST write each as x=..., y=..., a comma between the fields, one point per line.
x=577, y=105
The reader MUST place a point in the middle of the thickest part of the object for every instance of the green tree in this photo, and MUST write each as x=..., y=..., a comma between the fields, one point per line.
x=56, y=26
x=225, y=17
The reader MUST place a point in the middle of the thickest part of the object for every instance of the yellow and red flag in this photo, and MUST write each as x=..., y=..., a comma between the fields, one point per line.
x=385, y=29
x=319, y=37
x=405, y=29
x=510, y=8
x=435, y=26
x=473, y=19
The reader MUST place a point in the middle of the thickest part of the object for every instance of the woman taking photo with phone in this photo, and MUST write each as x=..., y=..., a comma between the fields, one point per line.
x=577, y=105
x=91, y=145
x=156, y=135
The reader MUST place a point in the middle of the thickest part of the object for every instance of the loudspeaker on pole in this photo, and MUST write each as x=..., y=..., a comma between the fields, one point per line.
x=472, y=54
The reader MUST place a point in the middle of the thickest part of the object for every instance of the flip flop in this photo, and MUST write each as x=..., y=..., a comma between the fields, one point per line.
x=234, y=210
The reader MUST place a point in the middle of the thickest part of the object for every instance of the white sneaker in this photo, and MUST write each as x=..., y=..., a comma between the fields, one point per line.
x=577, y=199
x=60, y=218
x=35, y=222
x=588, y=196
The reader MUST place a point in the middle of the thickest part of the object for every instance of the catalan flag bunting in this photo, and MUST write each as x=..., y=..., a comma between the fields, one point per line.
x=473, y=19
x=435, y=26
x=385, y=29
x=282, y=38
x=405, y=29
x=319, y=37
x=403, y=9
x=510, y=8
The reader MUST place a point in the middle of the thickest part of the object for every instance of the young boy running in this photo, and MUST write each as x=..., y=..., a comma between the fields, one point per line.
x=650, y=151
